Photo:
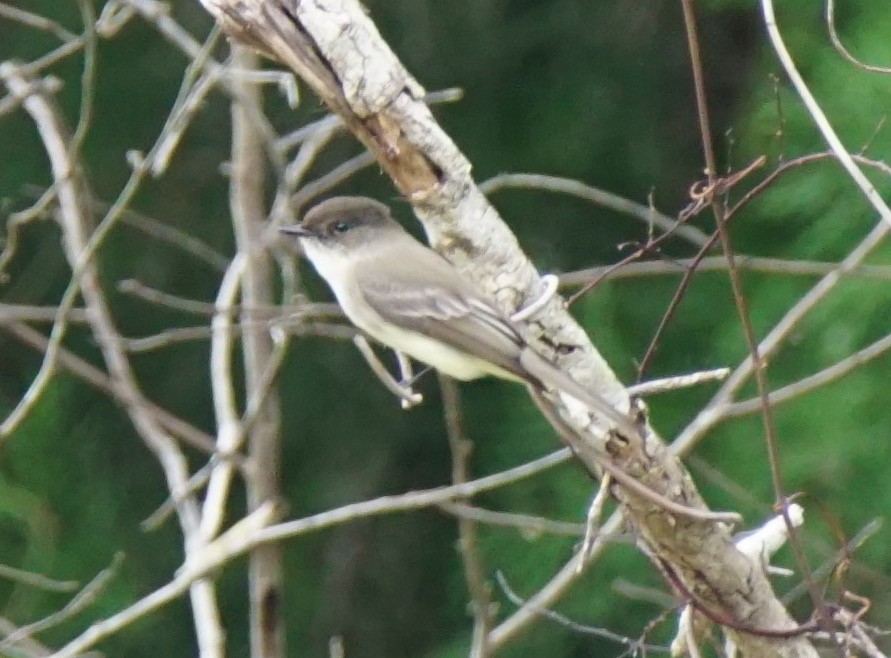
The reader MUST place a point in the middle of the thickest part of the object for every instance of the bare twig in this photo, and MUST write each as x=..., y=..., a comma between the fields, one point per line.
x=325, y=182
x=793, y=163
x=333, y=121
x=529, y=526
x=592, y=519
x=29, y=648
x=840, y=47
x=843, y=553
x=474, y=567
x=301, y=312
x=212, y=556
x=84, y=598
x=197, y=83
x=170, y=235
x=778, y=266
x=24, y=313
x=154, y=296
x=101, y=381
x=80, y=246
x=869, y=191
x=680, y=381
x=176, y=335
x=255, y=530
x=265, y=567
x=812, y=382
x=633, y=645
x=230, y=433
x=782, y=619
x=597, y=196
x=36, y=21
x=37, y=580
x=411, y=501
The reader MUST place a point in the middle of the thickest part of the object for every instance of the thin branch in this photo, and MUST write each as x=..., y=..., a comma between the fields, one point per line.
x=812, y=382
x=787, y=165
x=212, y=556
x=37, y=580
x=176, y=335
x=83, y=599
x=265, y=565
x=101, y=381
x=779, y=266
x=80, y=247
x=592, y=518
x=646, y=214
x=254, y=530
x=196, y=84
x=679, y=381
x=780, y=618
x=840, y=47
x=229, y=431
x=301, y=312
x=634, y=646
x=173, y=236
x=555, y=588
x=324, y=183
x=36, y=21
x=474, y=567
x=412, y=500
x=159, y=297
x=333, y=121
x=531, y=527
x=841, y=555
x=869, y=191
x=25, y=313
x=29, y=648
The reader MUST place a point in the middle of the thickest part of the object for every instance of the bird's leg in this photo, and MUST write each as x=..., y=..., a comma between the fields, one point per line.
x=405, y=393
x=408, y=378
x=408, y=375
x=534, y=307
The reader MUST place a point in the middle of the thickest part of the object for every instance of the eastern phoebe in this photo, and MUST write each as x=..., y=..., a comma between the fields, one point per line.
x=408, y=297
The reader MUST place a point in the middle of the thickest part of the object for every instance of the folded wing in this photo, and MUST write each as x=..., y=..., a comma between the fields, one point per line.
x=437, y=302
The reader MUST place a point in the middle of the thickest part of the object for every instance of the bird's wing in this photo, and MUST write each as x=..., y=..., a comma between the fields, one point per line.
x=438, y=302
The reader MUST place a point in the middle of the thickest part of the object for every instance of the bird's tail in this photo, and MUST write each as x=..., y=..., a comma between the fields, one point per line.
x=547, y=375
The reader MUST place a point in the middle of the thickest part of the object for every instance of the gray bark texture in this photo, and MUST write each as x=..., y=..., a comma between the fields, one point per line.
x=336, y=49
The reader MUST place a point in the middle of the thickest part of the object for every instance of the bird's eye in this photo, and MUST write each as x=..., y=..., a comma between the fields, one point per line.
x=341, y=227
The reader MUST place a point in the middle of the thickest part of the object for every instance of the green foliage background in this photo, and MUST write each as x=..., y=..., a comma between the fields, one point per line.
x=597, y=91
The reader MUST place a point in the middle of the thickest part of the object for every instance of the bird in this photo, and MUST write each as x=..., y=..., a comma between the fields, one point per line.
x=408, y=297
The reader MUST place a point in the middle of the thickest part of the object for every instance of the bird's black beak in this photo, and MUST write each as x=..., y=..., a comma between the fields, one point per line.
x=296, y=229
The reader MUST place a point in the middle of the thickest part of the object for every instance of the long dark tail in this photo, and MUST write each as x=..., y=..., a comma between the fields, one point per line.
x=548, y=376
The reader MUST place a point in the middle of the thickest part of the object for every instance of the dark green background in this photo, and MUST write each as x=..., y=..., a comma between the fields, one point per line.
x=597, y=91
